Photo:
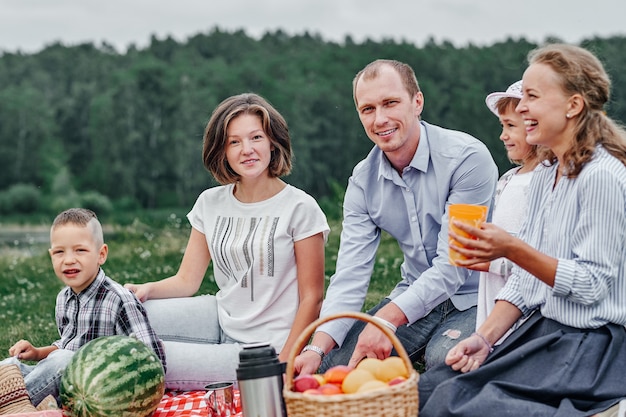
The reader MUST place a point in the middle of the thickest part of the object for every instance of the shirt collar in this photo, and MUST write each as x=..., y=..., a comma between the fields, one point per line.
x=92, y=288
x=419, y=161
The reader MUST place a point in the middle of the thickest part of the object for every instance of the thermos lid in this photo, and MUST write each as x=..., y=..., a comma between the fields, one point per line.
x=258, y=360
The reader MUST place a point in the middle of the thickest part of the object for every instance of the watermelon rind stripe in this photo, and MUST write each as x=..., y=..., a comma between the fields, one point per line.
x=112, y=376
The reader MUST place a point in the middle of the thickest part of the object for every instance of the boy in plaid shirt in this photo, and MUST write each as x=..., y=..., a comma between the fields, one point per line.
x=90, y=306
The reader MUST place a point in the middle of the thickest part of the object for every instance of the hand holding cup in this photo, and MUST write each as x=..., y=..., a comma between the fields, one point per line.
x=471, y=214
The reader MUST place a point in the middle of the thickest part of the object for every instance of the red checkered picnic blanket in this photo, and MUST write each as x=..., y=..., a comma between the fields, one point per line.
x=188, y=403
x=173, y=404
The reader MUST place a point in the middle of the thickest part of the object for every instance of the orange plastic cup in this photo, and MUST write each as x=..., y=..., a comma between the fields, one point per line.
x=471, y=214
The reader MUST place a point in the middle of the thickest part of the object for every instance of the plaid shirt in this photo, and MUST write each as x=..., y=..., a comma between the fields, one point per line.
x=104, y=308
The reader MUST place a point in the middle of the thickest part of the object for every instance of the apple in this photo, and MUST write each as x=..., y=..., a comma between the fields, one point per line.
x=312, y=391
x=396, y=380
x=330, y=389
x=305, y=382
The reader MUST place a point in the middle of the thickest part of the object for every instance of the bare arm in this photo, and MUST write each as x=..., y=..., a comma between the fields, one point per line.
x=308, y=362
x=24, y=350
x=309, y=254
x=470, y=353
x=189, y=277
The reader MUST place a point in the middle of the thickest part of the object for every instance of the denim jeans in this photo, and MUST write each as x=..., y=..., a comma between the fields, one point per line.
x=43, y=378
x=197, y=351
x=434, y=335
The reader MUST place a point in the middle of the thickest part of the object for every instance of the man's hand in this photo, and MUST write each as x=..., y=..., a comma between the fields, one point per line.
x=372, y=343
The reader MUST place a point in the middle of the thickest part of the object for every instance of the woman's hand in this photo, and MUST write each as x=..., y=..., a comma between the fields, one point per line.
x=307, y=363
x=468, y=354
x=483, y=266
x=489, y=242
x=141, y=291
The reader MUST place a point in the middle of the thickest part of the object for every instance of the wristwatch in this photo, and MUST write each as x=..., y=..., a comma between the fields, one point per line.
x=315, y=349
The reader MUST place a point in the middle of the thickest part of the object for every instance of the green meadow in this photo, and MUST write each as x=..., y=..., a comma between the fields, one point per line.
x=143, y=247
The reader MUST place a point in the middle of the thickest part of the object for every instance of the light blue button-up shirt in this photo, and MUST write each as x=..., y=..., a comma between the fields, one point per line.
x=448, y=167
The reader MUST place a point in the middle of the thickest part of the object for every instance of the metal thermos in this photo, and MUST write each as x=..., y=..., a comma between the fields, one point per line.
x=260, y=380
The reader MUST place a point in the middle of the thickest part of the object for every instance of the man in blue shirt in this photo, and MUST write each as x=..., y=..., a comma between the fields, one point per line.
x=403, y=187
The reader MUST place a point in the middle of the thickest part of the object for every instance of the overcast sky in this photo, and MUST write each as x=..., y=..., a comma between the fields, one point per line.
x=29, y=25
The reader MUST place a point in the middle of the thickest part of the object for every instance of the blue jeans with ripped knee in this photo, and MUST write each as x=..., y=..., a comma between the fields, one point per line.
x=434, y=335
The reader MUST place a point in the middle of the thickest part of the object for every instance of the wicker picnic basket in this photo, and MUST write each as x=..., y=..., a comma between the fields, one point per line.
x=398, y=400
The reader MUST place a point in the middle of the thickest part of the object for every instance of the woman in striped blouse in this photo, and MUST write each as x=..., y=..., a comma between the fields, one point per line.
x=569, y=282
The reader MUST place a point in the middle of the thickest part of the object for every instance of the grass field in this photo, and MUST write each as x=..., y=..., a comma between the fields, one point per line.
x=142, y=248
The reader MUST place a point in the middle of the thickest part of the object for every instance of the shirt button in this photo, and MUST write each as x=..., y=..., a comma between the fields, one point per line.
x=413, y=219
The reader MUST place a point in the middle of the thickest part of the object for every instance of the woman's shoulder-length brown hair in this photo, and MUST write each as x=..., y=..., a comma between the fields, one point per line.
x=215, y=136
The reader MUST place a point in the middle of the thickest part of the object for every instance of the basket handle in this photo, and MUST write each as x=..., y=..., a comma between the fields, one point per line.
x=308, y=331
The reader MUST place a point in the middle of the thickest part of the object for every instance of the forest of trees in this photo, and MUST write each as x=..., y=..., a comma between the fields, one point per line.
x=87, y=125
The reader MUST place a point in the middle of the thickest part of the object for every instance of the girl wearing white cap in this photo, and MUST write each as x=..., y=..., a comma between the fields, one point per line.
x=511, y=199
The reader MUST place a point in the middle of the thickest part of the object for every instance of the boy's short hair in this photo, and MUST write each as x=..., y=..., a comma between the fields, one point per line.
x=81, y=217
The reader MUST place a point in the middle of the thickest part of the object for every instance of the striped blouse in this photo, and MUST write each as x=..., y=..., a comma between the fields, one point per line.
x=582, y=223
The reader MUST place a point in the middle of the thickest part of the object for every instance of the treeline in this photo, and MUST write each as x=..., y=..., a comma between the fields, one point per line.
x=86, y=125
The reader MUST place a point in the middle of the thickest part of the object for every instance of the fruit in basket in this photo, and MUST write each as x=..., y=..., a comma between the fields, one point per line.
x=391, y=367
x=336, y=374
x=112, y=376
x=353, y=381
x=397, y=380
x=304, y=382
x=320, y=378
x=370, y=364
x=372, y=385
x=369, y=374
x=330, y=389
x=313, y=391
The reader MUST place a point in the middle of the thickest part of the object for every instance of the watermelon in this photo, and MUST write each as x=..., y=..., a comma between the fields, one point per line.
x=112, y=376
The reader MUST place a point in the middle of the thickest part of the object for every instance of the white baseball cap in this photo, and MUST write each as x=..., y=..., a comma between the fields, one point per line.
x=514, y=91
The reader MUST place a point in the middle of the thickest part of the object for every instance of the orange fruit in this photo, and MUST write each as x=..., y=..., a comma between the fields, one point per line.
x=336, y=374
x=353, y=381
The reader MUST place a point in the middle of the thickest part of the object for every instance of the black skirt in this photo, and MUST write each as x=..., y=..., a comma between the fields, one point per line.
x=542, y=369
